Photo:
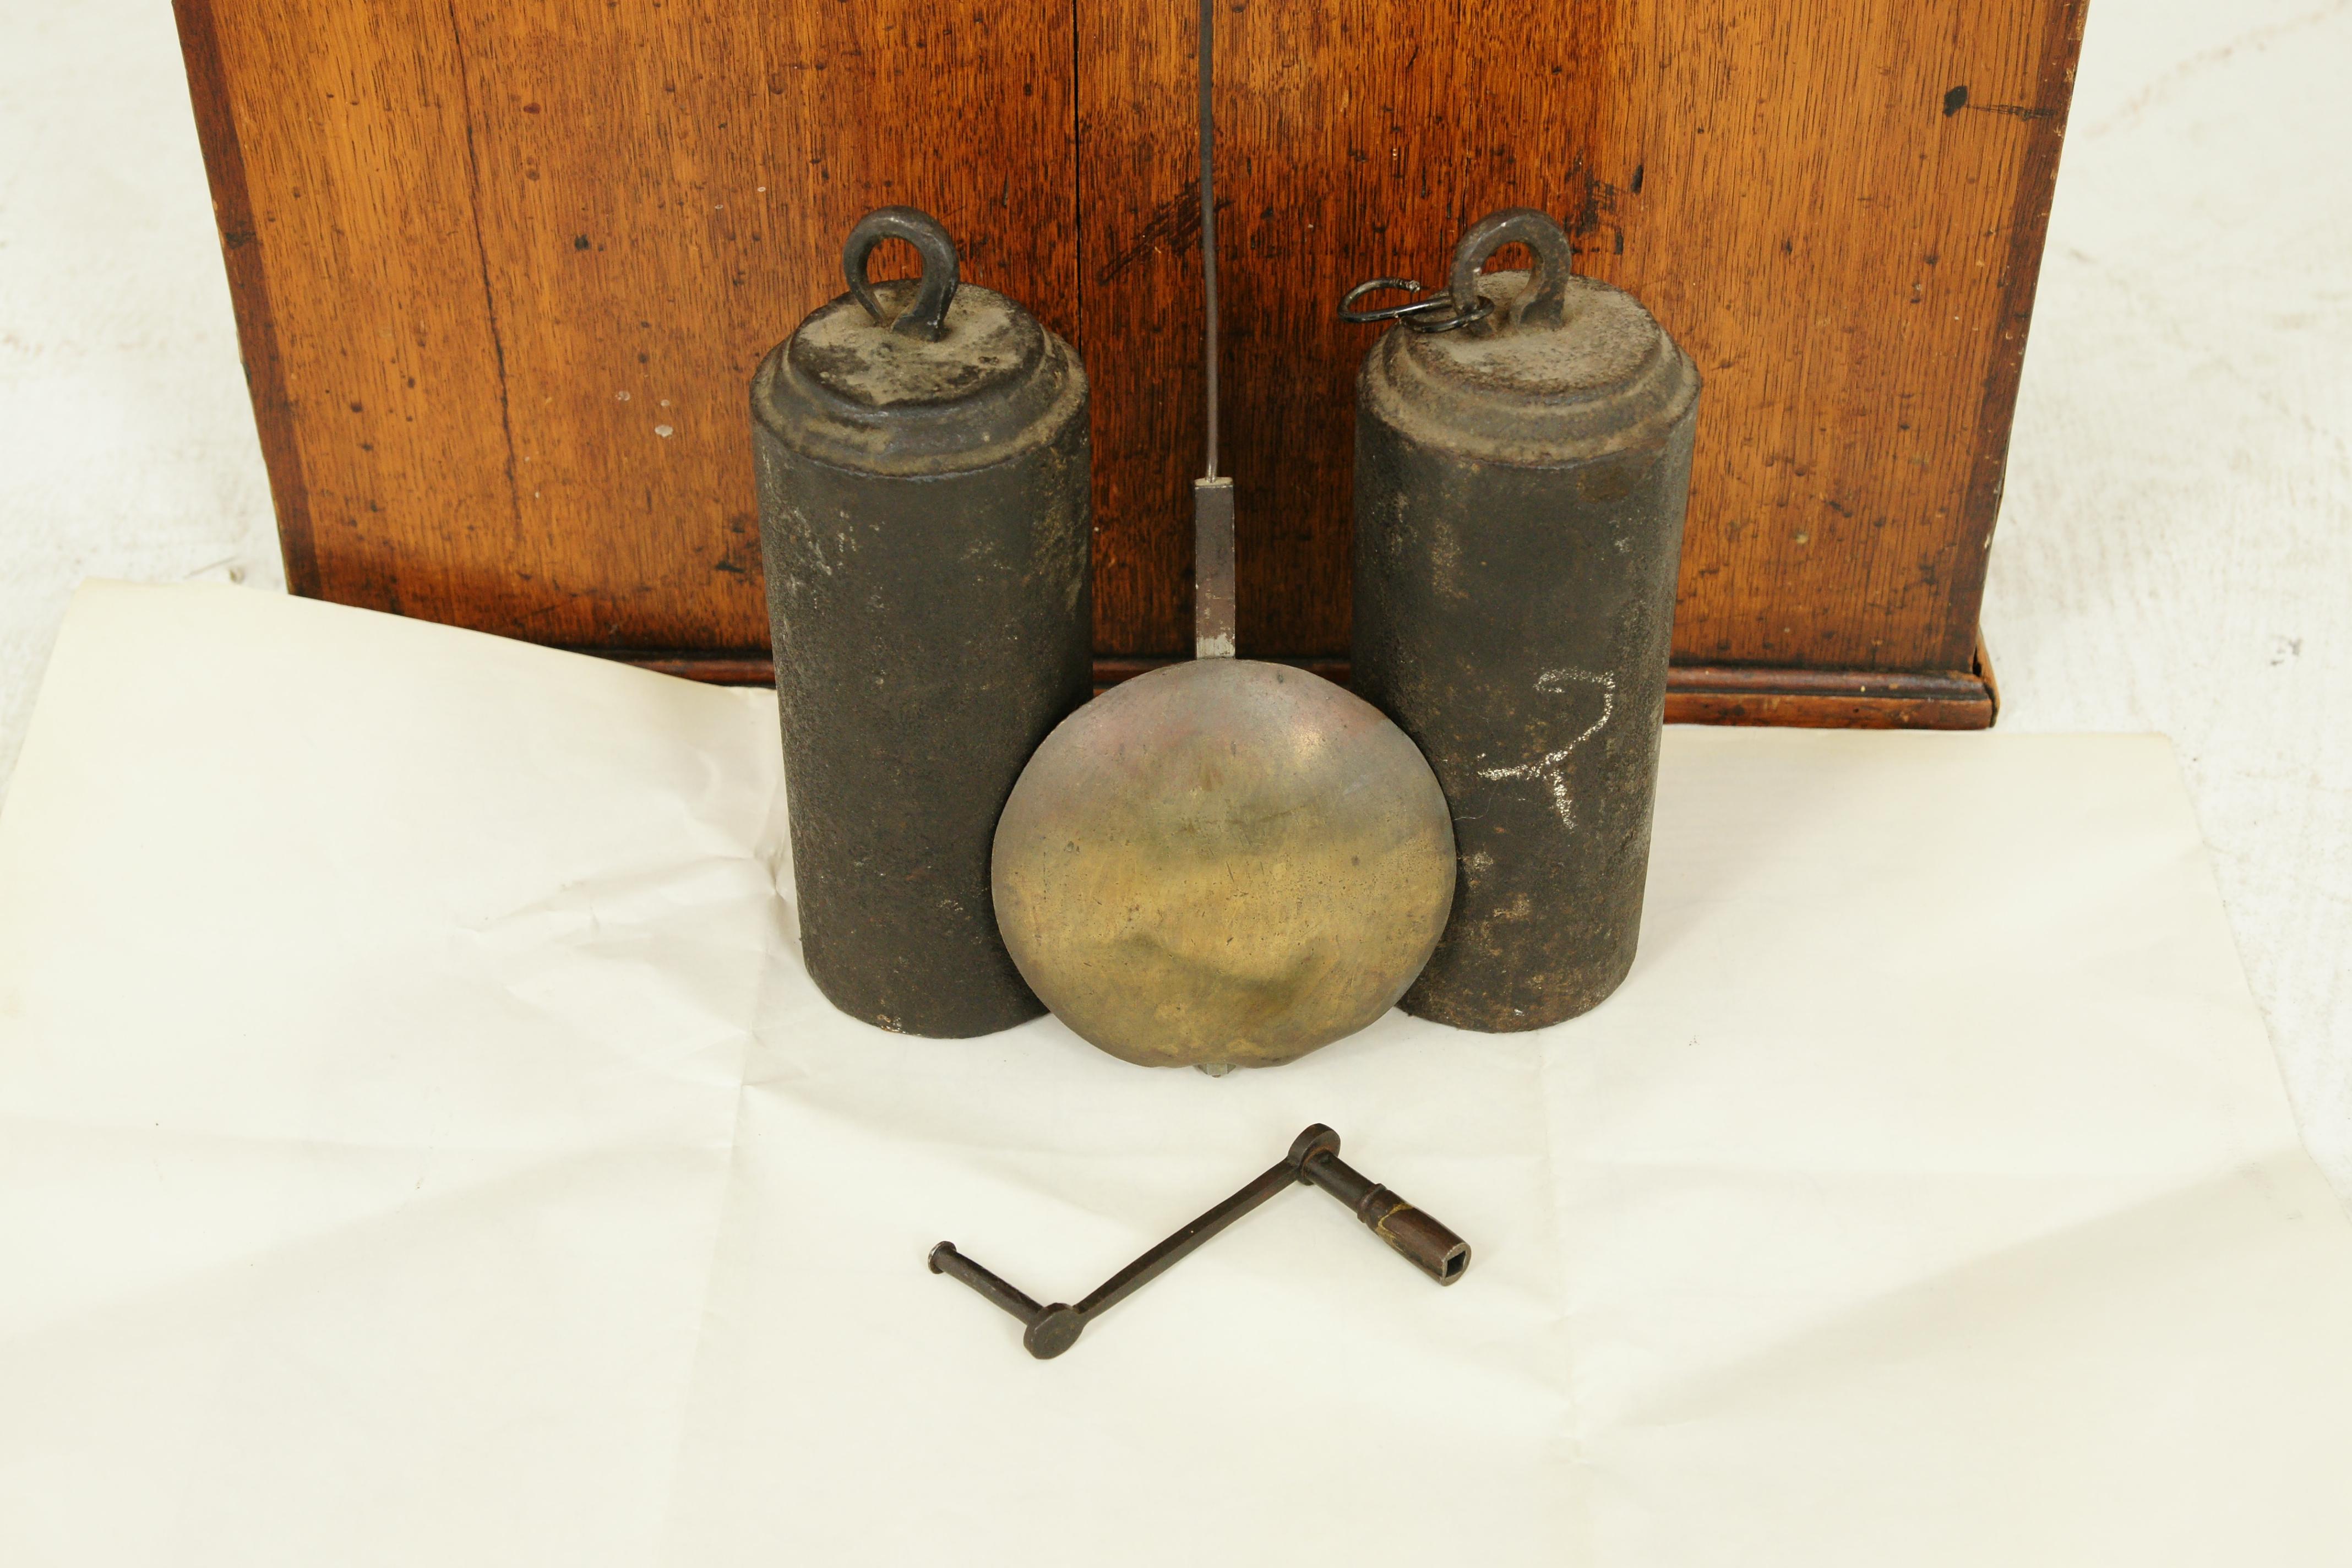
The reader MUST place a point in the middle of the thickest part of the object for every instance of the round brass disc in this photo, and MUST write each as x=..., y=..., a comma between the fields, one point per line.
x=1223, y=861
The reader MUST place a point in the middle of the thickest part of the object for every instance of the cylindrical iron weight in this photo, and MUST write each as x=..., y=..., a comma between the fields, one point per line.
x=924, y=518
x=1521, y=463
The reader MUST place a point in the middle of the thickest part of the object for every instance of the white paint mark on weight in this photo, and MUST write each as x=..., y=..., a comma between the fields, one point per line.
x=1553, y=683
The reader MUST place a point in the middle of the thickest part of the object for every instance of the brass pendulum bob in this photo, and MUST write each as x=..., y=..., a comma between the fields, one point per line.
x=1222, y=863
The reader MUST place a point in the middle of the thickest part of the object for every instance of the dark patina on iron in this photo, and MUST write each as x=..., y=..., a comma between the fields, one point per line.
x=1050, y=1328
x=1523, y=449
x=925, y=518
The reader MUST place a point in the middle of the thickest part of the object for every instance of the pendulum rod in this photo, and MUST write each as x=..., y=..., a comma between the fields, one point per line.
x=1213, y=496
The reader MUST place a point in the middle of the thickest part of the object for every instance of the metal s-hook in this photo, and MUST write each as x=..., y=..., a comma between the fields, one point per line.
x=925, y=317
x=1435, y=313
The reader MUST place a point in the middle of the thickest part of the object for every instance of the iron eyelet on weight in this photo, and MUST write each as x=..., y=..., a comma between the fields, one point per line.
x=926, y=316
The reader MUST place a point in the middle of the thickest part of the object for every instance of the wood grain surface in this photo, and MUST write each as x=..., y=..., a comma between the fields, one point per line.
x=518, y=262
x=503, y=271
x=1837, y=208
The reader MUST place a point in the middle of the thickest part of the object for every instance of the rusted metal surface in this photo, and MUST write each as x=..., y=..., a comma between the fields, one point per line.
x=1050, y=1328
x=1519, y=491
x=924, y=517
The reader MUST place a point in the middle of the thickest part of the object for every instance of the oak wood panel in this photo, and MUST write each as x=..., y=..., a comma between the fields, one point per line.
x=459, y=234
x=1840, y=215
x=1844, y=240
x=367, y=332
x=506, y=247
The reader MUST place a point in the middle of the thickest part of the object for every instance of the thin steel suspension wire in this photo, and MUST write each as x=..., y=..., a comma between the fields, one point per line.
x=1208, y=56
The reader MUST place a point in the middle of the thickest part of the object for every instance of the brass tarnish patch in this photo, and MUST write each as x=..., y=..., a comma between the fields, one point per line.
x=1222, y=862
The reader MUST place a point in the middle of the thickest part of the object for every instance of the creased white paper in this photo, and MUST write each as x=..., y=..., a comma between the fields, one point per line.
x=420, y=1145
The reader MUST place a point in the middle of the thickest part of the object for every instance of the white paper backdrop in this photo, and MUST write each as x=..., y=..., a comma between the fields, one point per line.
x=419, y=1144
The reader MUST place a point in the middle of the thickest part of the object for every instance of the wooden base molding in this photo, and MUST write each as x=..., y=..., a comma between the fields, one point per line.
x=1696, y=693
